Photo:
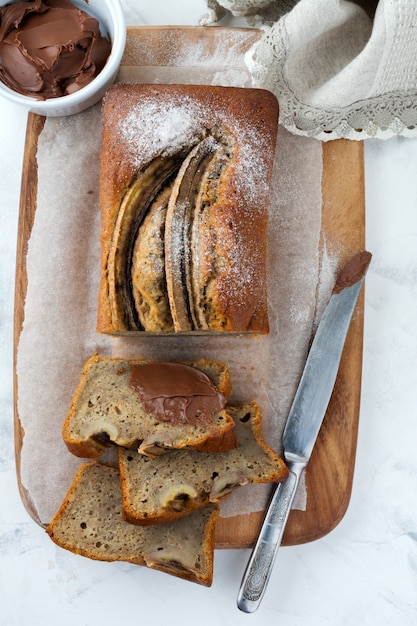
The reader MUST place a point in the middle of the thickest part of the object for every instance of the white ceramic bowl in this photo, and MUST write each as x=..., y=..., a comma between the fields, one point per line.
x=112, y=23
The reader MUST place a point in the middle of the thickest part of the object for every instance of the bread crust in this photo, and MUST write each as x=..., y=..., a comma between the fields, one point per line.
x=232, y=241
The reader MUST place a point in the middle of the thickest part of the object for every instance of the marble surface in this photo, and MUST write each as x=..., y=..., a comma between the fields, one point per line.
x=365, y=571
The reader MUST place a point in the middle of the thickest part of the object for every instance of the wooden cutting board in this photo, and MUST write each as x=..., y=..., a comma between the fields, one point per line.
x=330, y=472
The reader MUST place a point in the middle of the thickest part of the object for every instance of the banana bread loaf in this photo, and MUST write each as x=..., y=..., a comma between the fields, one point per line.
x=184, y=192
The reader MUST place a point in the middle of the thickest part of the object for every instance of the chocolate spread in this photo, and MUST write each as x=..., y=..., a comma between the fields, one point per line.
x=176, y=393
x=353, y=271
x=49, y=48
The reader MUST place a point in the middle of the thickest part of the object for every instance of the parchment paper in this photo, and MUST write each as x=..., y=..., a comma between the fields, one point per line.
x=59, y=335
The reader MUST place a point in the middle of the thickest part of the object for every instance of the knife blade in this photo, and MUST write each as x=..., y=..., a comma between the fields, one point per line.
x=303, y=424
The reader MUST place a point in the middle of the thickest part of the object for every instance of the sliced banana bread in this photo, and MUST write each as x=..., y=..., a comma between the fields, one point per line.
x=89, y=523
x=169, y=487
x=149, y=405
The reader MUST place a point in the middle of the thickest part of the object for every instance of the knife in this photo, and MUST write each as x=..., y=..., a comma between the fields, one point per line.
x=303, y=424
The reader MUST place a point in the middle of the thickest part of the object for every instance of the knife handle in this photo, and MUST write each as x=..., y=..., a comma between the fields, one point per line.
x=258, y=570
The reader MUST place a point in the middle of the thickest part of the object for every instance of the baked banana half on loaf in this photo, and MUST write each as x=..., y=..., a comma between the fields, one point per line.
x=184, y=193
x=89, y=522
x=151, y=406
x=174, y=484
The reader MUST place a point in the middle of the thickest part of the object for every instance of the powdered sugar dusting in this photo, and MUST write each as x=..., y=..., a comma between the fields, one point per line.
x=174, y=50
x=252, y=165
x=154, y=128
x=329, y=265
x=164, y=126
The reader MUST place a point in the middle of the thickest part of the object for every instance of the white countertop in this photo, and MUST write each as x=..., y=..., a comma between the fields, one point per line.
x=365, y=571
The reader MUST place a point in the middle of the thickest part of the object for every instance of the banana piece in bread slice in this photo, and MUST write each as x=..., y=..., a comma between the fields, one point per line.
x=181, y=481
x=89, y=523
x=151, y=406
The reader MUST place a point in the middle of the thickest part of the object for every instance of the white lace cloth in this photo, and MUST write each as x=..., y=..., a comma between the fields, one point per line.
x=335, y=71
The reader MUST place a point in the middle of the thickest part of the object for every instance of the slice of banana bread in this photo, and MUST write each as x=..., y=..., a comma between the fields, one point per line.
x=89, y=523
x=169, y=487
x=111, y=406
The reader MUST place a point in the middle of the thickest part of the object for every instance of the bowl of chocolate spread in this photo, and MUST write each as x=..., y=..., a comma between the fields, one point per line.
x=58, y=57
